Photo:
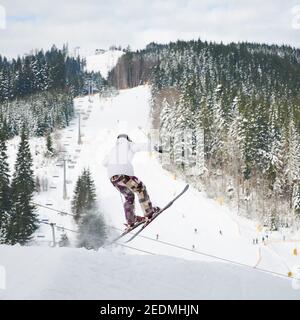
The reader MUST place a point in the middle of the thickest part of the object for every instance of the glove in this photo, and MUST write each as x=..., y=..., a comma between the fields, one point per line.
x=158, y=149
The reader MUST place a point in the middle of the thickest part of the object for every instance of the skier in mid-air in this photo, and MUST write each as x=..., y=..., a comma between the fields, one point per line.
x=121, y=174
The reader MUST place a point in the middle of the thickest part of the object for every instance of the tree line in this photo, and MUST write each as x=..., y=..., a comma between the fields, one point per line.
x=38, y=90
x=38, y=72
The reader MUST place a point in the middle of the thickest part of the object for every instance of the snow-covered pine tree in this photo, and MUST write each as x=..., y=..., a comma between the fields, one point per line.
x=91, y=226
x=293, y=154
x=23, y=218
x=184, y=130
x=5, y=192
x=84, y=195
x=78, y=199
x=49, y=146
x=64, y=240
x=275, y=156
x=218, y=125
x=296, y=199
x=166, y=132
x=273, y=220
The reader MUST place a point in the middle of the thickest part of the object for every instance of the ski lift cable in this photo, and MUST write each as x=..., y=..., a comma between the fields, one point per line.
x=136, y=249
x=215, y=257
x=58, y=227
x=52, y=209
x=120, y=244
x=184, y=248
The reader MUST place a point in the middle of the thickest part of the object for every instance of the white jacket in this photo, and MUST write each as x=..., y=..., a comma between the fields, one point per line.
x=119, y=159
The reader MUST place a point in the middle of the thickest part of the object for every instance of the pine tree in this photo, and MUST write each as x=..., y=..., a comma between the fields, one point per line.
x=166, y=132
x=273, y=222
x=218, y=124
x=64, y=240
x=91, y=226
x=84, y=195
x=293, y=153
x=296, y=199
x=23, y=219
x=49, y=145
x=5, y=194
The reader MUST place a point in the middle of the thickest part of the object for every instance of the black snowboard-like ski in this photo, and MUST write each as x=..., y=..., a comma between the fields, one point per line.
x=145, y=224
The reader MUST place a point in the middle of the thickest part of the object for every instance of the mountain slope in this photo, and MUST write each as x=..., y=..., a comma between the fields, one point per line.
x=104, y=62
x=119, y=272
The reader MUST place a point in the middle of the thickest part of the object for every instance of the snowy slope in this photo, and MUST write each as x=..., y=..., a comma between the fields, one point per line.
x=45, y=273
x=173, y=234
x=104, y=62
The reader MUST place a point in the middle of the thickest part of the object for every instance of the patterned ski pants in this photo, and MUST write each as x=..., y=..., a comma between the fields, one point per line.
x=128, y=186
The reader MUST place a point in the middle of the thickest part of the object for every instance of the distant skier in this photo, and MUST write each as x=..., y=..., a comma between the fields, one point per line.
x=121, y=174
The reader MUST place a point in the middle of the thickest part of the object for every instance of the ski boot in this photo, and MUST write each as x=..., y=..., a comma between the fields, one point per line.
x=138, y=219
x=154, y=211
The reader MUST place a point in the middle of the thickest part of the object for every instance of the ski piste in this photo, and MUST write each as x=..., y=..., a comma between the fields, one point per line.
x=145, y=224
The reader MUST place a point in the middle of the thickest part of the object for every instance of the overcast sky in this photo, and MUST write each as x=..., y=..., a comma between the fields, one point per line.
x=92, y=24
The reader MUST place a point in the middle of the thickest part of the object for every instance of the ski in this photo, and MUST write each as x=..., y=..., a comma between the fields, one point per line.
x=145, y=224
x=124, y=233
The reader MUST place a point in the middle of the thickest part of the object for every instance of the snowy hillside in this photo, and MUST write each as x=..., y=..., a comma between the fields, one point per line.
x=103, y=62
x=182, y=250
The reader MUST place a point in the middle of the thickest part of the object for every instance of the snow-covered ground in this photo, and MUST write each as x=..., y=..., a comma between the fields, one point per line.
x=172, y=247
x=103, y=62
x=45, y=273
